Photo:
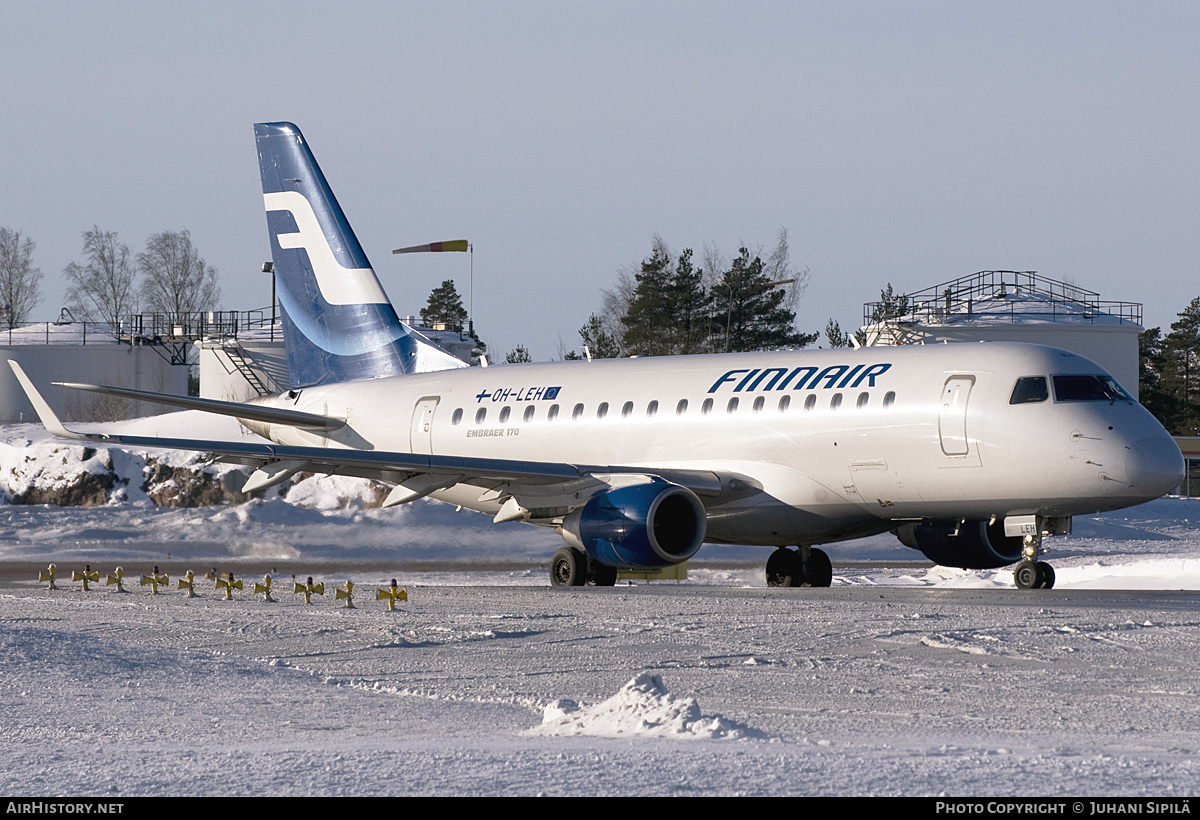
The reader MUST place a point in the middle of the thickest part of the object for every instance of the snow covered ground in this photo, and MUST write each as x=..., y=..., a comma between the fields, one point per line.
x=901, y=679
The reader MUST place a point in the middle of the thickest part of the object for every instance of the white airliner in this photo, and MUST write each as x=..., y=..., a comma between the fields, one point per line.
x=970, y=453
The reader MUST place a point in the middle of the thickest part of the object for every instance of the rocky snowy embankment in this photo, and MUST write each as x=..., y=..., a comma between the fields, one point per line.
x=38, y=469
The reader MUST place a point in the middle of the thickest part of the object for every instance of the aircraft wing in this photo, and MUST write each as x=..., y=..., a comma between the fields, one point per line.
x=415, y=474
x=254, y=412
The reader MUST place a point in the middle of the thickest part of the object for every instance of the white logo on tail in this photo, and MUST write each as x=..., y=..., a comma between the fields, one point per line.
x=338, y=285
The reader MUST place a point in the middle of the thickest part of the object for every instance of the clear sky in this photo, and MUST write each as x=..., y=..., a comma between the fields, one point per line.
x=901, y=142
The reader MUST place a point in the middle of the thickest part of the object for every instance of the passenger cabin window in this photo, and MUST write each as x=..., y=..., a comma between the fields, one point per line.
x=732, y=406
x=651, y=409
x=627, y=410
x=811, y=401
x=504, y=414
x=480, y=415
x=681, y=408
x=1089, y=388
x=863, y=398
x=602, y=410
x=758, y=404
x=706, y=408
x=529, y=413
x=577, y=413
x=785, y=402
x=553, y=413
x=889, y=399
x=457, y=417
x=836, y=401
x=1029, y=390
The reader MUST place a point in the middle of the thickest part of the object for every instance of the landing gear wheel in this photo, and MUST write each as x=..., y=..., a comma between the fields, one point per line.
x=1047, y=575
x=602, y=576
x=783, y=568
x=568, y=568
x=818, y=570
x=1029, y=575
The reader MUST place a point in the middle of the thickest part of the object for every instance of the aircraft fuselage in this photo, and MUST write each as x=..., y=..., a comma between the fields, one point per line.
x=842, y=443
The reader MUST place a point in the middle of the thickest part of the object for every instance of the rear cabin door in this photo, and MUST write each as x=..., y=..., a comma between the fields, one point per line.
x=421, y=433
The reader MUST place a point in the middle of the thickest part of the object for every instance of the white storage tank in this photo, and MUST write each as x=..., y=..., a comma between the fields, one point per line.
x=1014, y=306
x=87, y=353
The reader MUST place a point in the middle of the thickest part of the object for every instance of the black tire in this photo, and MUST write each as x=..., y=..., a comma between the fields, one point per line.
x=603, y=576
x=1028, y=575
x=819, y=570
x=783, y=568
x=568, y=568
x=1047, y=575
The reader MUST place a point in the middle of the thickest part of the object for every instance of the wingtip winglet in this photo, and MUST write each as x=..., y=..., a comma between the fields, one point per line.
x=41, y=406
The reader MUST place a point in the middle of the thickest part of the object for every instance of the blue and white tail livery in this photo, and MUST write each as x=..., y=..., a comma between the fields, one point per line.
x=969, y=453
x=338, y=323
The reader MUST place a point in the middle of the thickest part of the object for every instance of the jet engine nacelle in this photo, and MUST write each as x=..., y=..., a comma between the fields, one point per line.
x=963, y=544
x=654, y=524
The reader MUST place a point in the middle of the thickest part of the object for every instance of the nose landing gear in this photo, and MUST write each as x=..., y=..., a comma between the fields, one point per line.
x=1032, y=573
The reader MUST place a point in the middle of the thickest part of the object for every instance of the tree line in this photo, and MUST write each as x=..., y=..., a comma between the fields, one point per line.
x=673, y=304
x=111, y=283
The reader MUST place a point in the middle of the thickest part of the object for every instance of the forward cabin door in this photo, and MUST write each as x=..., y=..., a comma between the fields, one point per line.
x=421, y=433
x=952, y=415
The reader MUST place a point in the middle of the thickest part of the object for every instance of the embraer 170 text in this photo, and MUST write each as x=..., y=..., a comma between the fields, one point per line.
x=970, y=453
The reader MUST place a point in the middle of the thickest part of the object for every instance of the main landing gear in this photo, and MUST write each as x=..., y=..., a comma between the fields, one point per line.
x=804, y=567
x=1032, y=573
x=572, y=568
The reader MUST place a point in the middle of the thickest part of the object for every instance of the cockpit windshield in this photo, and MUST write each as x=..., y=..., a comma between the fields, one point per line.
x=1029, y=390
x=1089, y=388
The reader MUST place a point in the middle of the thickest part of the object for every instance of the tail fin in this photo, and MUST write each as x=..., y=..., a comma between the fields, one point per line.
x=338, y=323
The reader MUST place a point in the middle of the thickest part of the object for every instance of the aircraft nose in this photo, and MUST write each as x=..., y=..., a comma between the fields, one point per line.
x=1154, y=465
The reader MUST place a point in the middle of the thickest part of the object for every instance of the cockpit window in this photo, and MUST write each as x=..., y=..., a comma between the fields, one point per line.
x=1029, y=390
x=1089, y=388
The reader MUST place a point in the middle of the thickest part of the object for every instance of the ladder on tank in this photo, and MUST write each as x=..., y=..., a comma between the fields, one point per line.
x=237, y=357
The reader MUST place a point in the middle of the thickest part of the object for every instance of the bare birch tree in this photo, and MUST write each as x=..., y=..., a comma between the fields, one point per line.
x=102, y=288
x=779, y=268
x=19, y=288
x=175, y=279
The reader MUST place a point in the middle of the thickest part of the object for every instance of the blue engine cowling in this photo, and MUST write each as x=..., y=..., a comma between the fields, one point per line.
x=655, y=524
x=963, y=544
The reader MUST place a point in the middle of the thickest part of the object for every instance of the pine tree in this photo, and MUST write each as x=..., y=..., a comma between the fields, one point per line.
x=835, y=335
x=1181, y=376
x=1169, y=373
x=753, y=317
x=691, y=307
x=669, y=310
x=600, y=343
x=648, y=322
x=1152, y=393
x=891, y=305
x=518, y=355
x=445, y=308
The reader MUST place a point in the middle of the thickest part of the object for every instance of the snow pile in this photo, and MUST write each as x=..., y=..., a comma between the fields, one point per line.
x=642, y=708
x=40, y=471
